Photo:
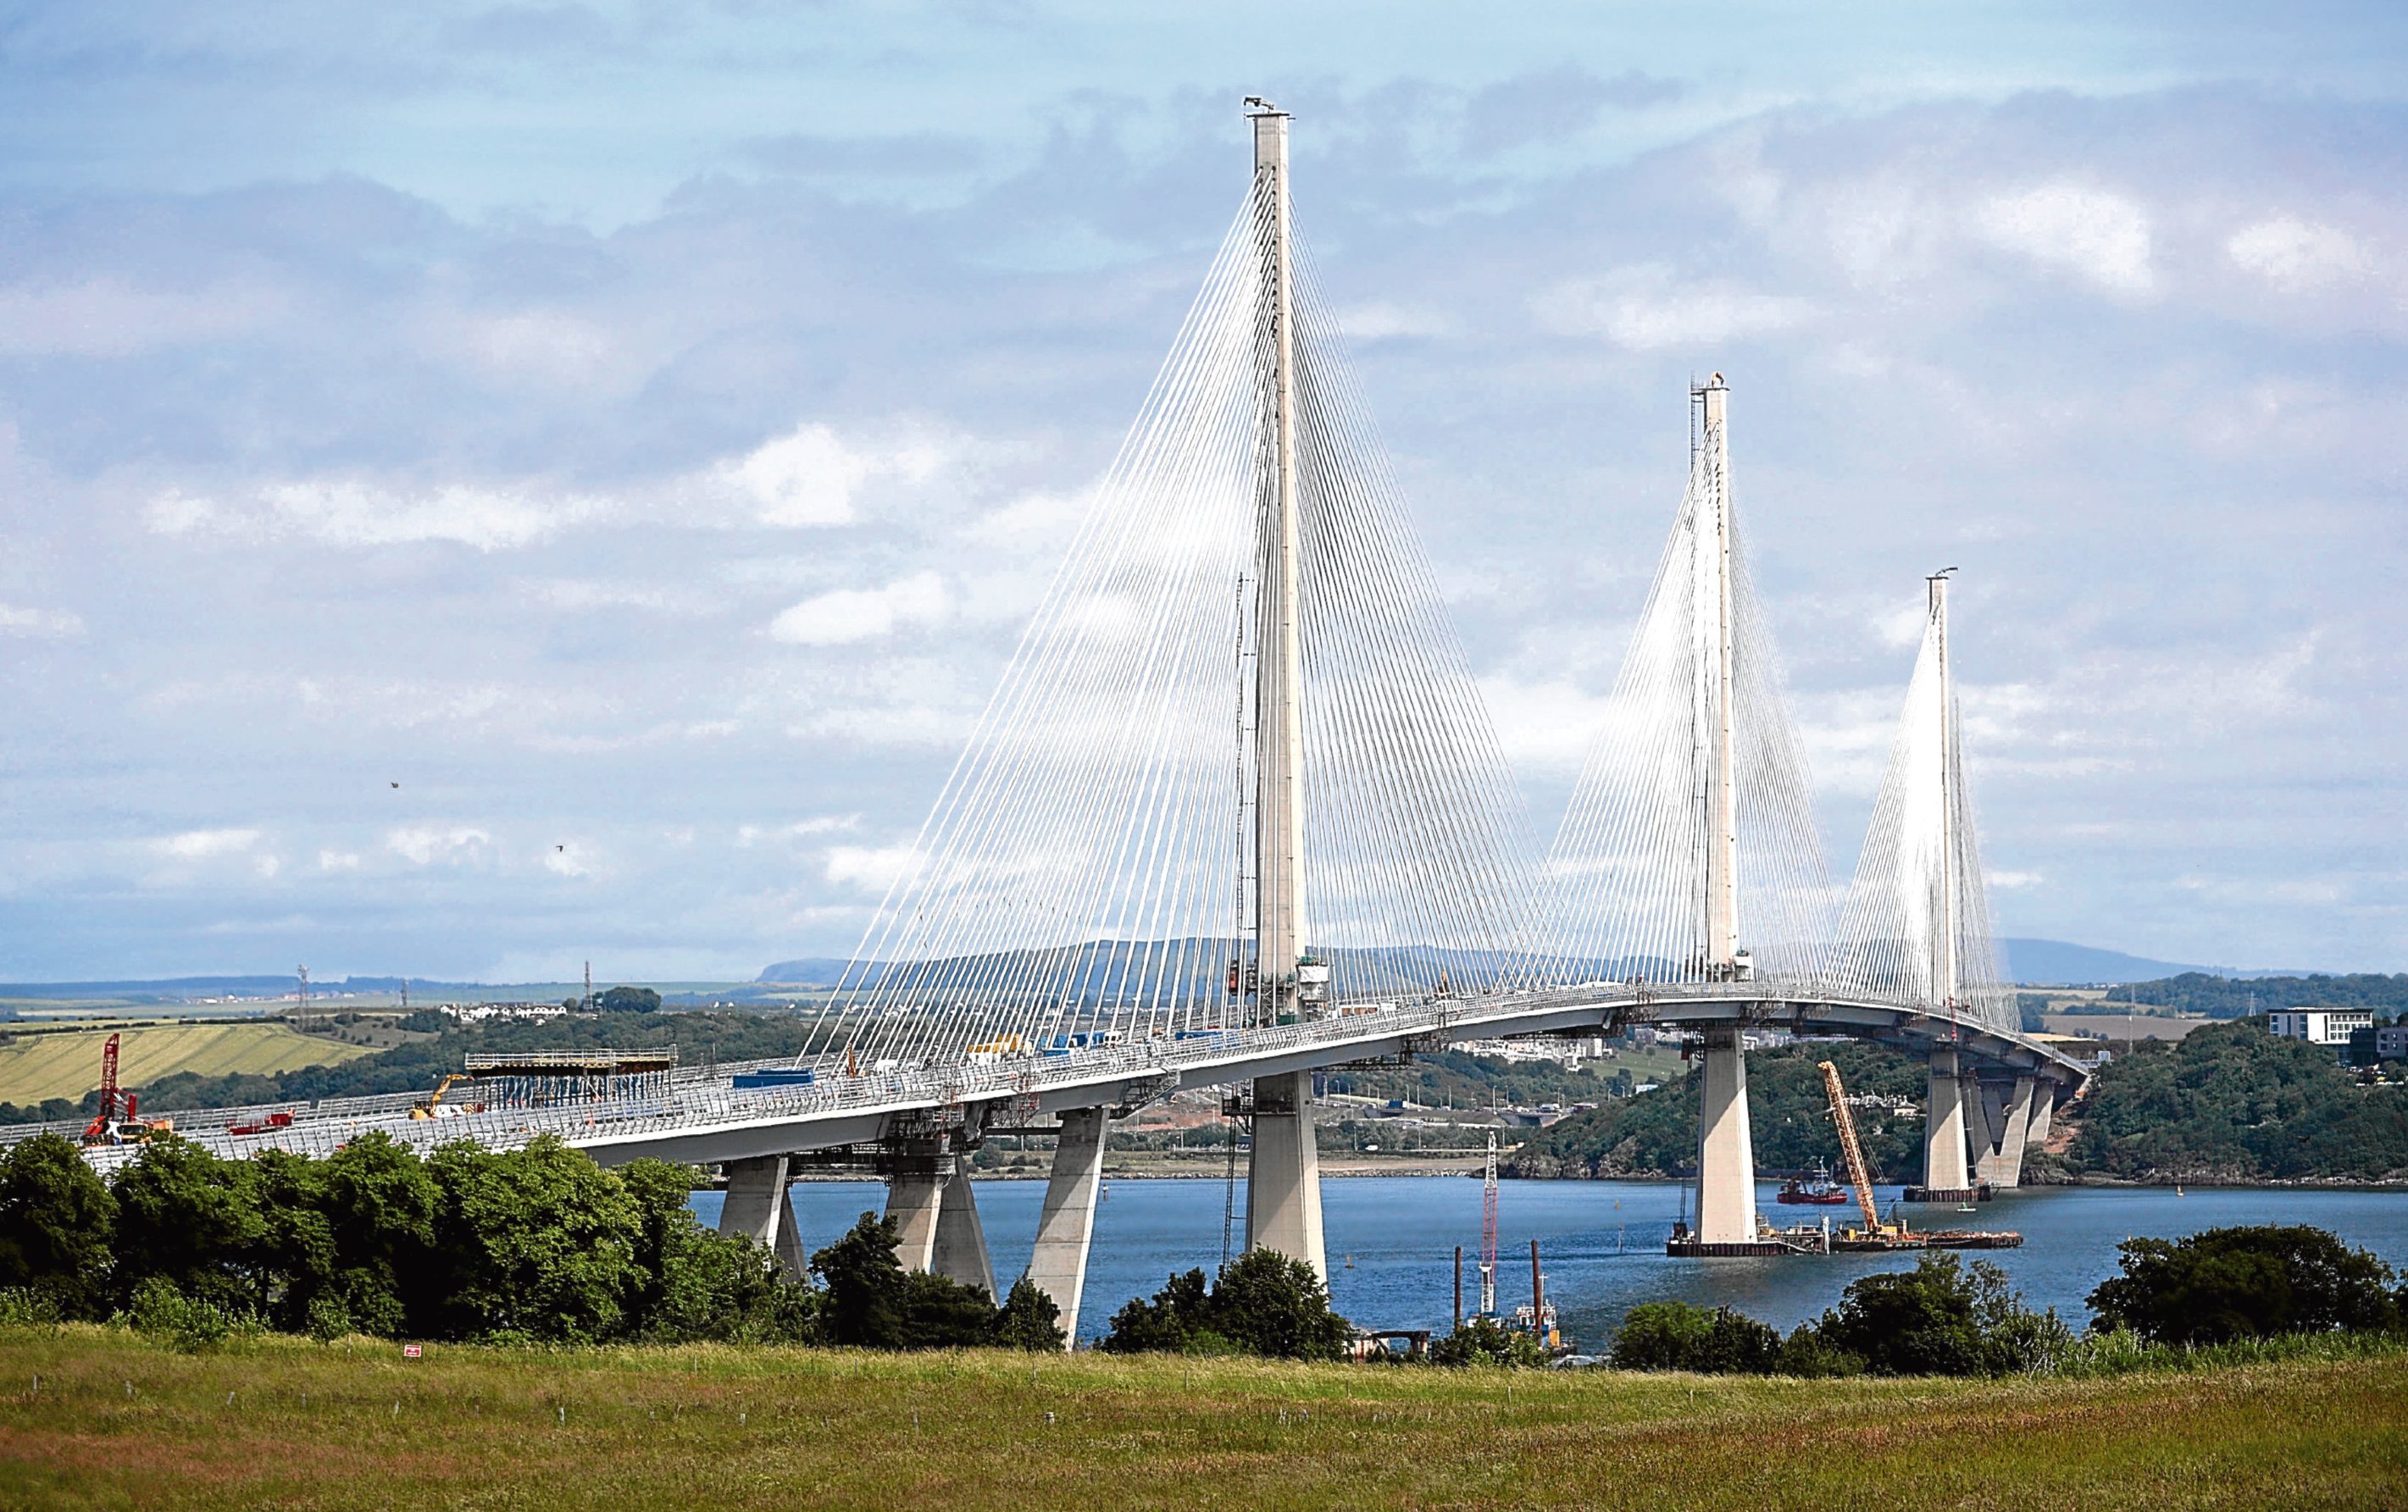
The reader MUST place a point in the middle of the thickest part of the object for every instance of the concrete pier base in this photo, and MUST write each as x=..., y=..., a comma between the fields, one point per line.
x=760, y=1205
x=2006, y=1123
x=1065, y=1226
x=929, y=1197
x=915, y=1199
x=1946, y=1167
x=960, y=1251
x=1283, y=1174
x=1725, y=1154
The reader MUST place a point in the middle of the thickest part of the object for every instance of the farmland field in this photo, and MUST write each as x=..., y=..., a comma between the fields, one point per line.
x=116, y=1423
x=33, y=1066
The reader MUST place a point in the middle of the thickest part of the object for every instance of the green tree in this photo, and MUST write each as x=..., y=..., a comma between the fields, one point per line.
x=190, y=1219
x=380, y=1203
x=56, y=1221
x=629, y=1000
x=1029, y=1319
x=289, y=1261
x=1262, y=1303
x=1266, y=1303
x=538, y=1242
x=866, y=1300
x=1169, y=1322
x=1678, y=1335
x=1941, y=1318
x=1482, y=1341
x=2252, y=1282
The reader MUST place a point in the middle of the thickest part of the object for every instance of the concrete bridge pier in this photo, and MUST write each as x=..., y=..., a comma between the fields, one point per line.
x=936, y=1218
x=1947, y=1174
x=2044, y=1110
x=1065, y=1225
x=2006, y=1129
x=1283, y=1174
x=760, y=1205
x=1726, y=1151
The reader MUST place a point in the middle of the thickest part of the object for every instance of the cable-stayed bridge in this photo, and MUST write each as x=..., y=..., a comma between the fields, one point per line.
x=1237, y=811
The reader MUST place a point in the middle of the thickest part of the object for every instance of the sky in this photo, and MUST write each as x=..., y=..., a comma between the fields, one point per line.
x=486, y=489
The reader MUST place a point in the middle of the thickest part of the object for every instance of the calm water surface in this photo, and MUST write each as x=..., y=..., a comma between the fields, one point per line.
x=1601, y=1243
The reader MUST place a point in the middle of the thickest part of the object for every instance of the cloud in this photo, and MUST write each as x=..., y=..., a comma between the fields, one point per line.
x=810, y=476
x=2297, y=256
x=203, y=845
x=748, y=835
x=569, y=859
x=1386, y=322
x=1555, y=103
x=39, y=624
x=357, y=513
x=106, y=317
x=2098, y=234
x=1650, y=307
x=450, y=845
x=338, y=860
x=850, y=615
x=869, y=869
x=814, y=156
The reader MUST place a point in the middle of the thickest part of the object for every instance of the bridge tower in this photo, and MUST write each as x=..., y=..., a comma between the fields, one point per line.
x=1283, y=1174
x=1726, y=1154
x=1948, y=1176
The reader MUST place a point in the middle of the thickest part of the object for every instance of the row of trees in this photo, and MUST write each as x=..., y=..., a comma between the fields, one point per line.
x=2218, y=1287
x=533, y=1244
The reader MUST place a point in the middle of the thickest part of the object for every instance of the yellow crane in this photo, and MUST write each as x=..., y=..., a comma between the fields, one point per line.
x=427, y=1109
x=1859, y=1180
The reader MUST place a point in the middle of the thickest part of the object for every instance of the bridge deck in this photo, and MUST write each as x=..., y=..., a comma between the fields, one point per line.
x=702, y=1117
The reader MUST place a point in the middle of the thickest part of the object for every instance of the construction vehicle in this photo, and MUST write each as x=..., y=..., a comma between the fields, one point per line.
x=119, y=1122
x=433, y=1105
x=1875, y=1235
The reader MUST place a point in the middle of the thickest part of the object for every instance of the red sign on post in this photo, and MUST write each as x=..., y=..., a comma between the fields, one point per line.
x=410, y=1351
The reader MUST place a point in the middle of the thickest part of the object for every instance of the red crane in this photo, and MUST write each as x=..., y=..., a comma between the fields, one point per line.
x=97, y=1131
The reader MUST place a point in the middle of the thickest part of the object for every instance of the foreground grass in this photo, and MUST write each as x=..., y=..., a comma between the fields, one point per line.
x=284, y=1423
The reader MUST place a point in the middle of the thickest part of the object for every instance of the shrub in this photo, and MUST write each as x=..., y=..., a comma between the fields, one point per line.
x=2239, y=1283
x=1262, y=1304
x=56, y=1223
x=1675, y=1336
x=1941, y=1318
x=1482, y=1341
x=1029, y=1319
x=159, y=1311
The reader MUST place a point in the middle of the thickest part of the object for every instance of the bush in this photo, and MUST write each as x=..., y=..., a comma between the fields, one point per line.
x=2243, y=1283
x=1262, y=1304
x=1482, y=1341
x=1029, y=1319
x=159, y=1311
x=1941, y=1318
x=22, y=1307
x=57, y=1222
x=1675, y=1336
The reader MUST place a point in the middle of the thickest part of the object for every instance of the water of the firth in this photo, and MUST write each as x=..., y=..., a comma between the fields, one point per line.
x=1601, y=1243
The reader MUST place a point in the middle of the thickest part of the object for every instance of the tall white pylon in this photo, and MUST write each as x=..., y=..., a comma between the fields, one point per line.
x=1916, y=928
x=1279, y=648
x=1689, y=852
x=1283, y=1171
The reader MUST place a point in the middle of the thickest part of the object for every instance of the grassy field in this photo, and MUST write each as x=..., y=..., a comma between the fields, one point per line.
x=284, y=1423
x=33, y=1066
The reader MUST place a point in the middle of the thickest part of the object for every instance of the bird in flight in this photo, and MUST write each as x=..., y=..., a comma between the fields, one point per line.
x=396, y=784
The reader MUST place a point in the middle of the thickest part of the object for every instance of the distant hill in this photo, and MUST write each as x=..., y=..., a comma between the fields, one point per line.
x=809, y=971
x=2056, y=963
